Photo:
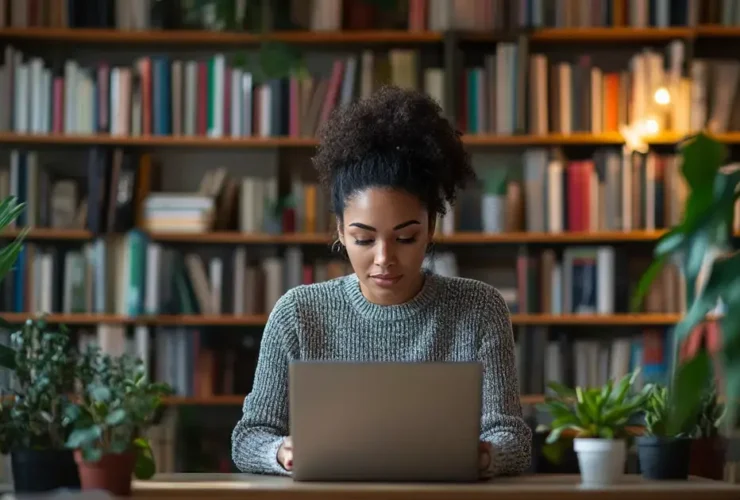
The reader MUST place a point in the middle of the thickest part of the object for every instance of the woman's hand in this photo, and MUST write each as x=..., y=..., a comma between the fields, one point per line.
x=484, y=455
x=285, y=453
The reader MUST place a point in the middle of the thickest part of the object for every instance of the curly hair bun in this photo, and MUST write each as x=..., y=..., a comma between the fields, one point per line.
x=395, y=138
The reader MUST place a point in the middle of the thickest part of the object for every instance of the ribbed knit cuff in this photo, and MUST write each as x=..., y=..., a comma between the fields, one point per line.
x=271, y=458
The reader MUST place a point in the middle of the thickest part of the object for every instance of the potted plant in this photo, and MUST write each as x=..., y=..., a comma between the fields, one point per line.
x=709, y=447
x=116, y=406
x=597, y=419
x=664, y=449
x=703, y=246
x=33, y=421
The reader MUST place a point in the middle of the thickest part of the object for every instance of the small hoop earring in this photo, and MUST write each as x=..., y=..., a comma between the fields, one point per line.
x=337, y=246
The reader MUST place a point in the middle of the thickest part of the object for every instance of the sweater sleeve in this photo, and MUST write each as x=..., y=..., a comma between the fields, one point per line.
x=264, y=423
x=502, y=423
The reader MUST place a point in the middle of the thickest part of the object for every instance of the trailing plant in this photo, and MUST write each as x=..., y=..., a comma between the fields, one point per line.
x=33, y=413
x=599, y=412
x=703, y=246
x=116, y=406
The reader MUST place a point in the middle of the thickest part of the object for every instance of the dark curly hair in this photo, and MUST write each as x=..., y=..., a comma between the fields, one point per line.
x=396, y=138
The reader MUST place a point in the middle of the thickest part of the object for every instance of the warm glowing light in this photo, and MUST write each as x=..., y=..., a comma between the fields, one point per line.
x=652, y=126
x=662, y=96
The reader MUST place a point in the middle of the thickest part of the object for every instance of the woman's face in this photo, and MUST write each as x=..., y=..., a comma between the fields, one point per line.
x=386, y=233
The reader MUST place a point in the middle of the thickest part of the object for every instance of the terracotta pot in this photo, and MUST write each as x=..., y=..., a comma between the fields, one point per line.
x=708, y=457
x=112, y=472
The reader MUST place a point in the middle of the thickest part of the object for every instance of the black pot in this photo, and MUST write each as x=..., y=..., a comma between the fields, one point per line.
x=664, y=457
x=44, y=470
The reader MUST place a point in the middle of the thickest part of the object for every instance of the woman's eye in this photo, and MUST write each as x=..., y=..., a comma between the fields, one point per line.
x=407, y=241
x=363, y=242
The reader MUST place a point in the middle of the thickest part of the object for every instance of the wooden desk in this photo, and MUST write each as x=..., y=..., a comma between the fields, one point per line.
x=535, y=487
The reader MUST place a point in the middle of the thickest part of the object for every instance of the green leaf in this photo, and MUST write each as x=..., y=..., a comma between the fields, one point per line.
x=686, y=392
x=100, y=394
x=646, y=280
x=561, y=390
x=702, y=158
x=116, y=417
x=145, y=465
x=79, y=438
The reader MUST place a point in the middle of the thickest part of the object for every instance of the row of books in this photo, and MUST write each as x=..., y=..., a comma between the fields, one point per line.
x=541, y=190
x=515, y=92
x=545, y=356
x=213, y=97
x=512, y=91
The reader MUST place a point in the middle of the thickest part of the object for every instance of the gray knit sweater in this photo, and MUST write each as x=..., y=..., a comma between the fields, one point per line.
x=451, y=319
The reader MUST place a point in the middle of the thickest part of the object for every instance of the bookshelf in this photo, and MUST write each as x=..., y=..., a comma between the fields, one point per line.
x=443, y=48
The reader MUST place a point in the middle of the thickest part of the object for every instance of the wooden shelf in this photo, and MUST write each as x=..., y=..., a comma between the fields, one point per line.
x=157, y=141
x=595, y=34
x=617, y=34
x=48, y=233
x=717, y=31
x=575, y=139
x=261, y=319
x=596, y=320
x=233, y=237
x=553, y=238
x=462, y=238
x=205, y=37
x=542, y=140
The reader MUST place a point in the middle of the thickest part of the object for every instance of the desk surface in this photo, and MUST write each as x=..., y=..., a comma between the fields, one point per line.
x=539, y=487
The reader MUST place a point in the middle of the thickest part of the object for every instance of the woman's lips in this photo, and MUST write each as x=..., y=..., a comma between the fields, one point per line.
x=385, y=280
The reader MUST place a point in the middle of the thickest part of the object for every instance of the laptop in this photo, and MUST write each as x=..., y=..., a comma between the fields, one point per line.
x=385, y=421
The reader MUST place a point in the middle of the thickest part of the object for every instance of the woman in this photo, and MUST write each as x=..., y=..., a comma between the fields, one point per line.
x=391, y=164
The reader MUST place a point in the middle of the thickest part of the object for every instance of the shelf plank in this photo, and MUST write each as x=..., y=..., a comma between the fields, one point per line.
x=157, y=141
x=261, y=319
x=717, y=31
x=206, y=37
x=576, y=139
x=543, y=140
x=205, y=320
x=71, y=319
x=49, y=233
x=612, y=34
x=596, y=320
x=234, y=237
x=552, y=238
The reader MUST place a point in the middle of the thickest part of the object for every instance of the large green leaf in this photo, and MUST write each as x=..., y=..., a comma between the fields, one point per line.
x=145, y=466
x=686, y=392
x=702, y=159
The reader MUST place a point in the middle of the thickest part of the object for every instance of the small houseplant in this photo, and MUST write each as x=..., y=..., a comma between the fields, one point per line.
x=709, y=447
x=116, y=406
x=665, y=447
x=32, y=416
x=598, y=420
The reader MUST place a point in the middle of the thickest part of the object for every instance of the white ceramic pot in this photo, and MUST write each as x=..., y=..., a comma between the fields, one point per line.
x=601, y=460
